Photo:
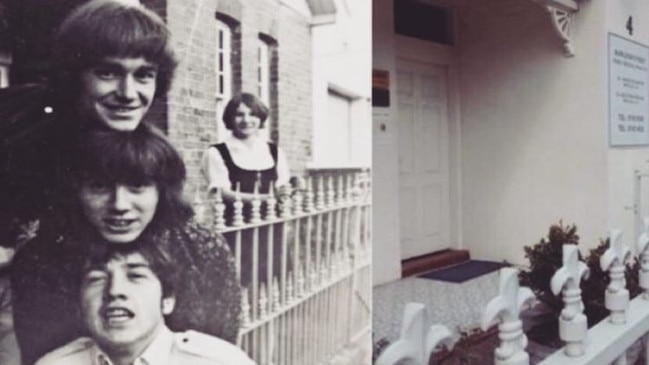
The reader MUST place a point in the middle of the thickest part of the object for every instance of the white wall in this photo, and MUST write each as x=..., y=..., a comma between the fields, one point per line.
x=534, y=140
x=342, y=55
x=623, y=161
x=386, y=265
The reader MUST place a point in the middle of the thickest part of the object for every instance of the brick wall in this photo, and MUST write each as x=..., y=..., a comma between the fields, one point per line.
x=191, y=103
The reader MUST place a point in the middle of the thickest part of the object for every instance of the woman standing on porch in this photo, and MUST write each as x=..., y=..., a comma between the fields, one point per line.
x=245, y=158
x=240, y=163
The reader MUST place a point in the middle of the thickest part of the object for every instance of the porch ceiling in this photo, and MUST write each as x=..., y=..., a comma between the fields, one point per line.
x=322, y=11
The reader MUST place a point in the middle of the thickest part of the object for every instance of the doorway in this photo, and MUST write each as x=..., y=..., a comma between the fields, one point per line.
x=423, y=128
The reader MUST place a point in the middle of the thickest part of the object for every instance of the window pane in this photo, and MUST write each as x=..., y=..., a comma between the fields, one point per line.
x=433, y=23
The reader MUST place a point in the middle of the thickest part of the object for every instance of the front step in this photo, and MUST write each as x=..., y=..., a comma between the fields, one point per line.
x=437, y=260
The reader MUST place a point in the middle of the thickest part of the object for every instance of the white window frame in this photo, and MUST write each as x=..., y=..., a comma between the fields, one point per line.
x=329, y=133
x=263, y=71
x=4, y=75
x=223, y=72
x=263, y=81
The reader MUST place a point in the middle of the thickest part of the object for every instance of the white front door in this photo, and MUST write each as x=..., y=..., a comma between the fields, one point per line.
x=422, y=93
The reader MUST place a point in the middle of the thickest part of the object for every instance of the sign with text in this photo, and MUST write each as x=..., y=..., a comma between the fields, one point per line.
x=628, y=92
x=380, y=88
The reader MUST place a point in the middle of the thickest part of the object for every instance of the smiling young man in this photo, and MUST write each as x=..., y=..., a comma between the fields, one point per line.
x=120, y=212
x=126, y=292
x=117, y=91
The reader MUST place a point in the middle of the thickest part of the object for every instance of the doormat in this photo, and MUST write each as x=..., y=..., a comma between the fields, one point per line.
x=463, y=272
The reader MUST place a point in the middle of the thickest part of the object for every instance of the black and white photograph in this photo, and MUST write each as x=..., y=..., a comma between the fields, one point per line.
x=185, y=181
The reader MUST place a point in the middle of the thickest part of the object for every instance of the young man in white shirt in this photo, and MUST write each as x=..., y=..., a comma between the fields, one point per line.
x=126, y=291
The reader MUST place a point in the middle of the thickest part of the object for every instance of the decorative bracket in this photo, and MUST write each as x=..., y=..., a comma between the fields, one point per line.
x=562, y=13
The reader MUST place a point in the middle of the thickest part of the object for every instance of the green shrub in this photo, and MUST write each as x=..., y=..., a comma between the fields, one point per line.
x=545, y=258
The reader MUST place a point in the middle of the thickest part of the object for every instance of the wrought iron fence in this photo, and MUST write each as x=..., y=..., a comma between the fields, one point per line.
x=303, y=259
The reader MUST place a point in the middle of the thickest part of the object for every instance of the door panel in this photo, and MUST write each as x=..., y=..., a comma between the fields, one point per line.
x=423, y=158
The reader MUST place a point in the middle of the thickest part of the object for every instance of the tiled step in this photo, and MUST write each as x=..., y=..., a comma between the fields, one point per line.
x=421, y=264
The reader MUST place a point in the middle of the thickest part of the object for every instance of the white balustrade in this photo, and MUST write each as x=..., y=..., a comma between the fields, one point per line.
x=605, y=343
x=505, y=310
x=627, y=323
x=643, y=256
x=572, y=322
x=614, y=261
x=418, y=339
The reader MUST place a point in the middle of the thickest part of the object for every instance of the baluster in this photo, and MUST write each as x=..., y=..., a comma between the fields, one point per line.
x=285, y=204
x=263, y=301
x=290, y=289
x=340, y=263
x=300, y=281
x=245, y=308
x=319, y=194
x=298, y=197
x=417, y=340
x=271, y=204
x=572, y=321
x=348, y=189
x=356, y=189
x=237, y=216
x=219, y=211
x=324, y=274
x=309, y=196
x=255, y=210
x=340, y=190
x=275, y=296
x=613, y=260
x=333, y=266
x=313, y=279
x=331, y=193
x=345, y=263
x=643, y=256
x=505, y=309
x=364, y=186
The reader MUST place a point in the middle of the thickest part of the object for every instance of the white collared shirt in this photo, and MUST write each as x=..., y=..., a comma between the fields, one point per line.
x=167, y=348
x=157, y=353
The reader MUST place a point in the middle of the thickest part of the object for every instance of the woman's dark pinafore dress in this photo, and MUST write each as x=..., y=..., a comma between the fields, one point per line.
x=246, y=180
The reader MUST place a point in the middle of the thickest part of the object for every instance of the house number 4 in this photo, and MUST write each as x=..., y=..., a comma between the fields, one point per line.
x=629, y=25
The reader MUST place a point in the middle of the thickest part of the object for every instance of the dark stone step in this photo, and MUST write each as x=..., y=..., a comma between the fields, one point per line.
x=437, y=260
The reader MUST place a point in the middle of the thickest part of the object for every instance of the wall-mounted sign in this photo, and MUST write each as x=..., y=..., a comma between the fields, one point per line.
x=380, y=88
x=628, y=92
